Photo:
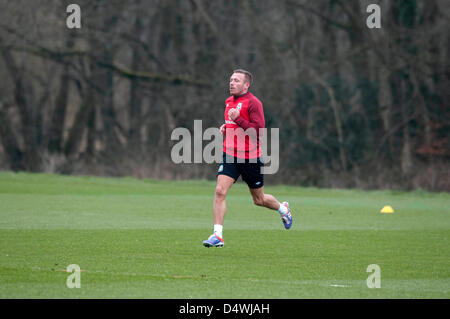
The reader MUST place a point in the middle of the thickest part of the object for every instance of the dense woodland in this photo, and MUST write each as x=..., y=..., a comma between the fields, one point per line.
x=356, y=107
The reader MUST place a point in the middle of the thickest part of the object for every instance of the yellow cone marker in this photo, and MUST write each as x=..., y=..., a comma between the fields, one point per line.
x=387, y=209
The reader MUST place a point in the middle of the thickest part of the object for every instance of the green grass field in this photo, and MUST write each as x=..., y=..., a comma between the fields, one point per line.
x=142, y=239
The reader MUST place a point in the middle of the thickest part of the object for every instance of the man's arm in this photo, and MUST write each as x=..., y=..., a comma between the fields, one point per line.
x=256, y=115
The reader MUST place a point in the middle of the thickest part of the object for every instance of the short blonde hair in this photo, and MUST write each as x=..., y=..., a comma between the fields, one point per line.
x=248, y=75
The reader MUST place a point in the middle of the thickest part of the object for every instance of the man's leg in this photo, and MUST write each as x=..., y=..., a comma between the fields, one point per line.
x=267, y=200
x=224, y=183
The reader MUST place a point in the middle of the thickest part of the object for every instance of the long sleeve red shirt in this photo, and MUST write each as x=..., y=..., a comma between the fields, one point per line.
x=245, y=128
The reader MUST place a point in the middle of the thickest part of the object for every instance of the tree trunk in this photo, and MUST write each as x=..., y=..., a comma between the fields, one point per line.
x=74, y=139
x=55, y=135
x=406, y=163
x=31, y=158
x=135, y=111
x=10, y=143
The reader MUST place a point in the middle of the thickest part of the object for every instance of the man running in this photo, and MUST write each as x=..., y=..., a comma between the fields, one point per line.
x=241, y=154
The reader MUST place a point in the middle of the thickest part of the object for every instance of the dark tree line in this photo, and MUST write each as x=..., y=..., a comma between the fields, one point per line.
x=356, y=107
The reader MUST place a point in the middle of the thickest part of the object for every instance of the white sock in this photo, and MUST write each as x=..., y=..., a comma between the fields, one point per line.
x=282, y=210
x=218, y=230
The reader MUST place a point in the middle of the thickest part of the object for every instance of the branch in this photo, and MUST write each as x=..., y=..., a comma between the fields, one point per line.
x=320, y=15
x=393, y=130
x=60, y=57
x=337, y=117
x=175, y=79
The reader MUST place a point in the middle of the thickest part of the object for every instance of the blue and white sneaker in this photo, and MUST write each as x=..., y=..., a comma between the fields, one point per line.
x=287, y=218
x=213, y=241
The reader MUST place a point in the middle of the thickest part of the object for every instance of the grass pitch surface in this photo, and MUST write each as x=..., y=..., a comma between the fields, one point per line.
x=143, y=239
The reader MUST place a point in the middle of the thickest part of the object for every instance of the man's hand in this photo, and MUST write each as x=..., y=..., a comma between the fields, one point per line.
x=234, y=114
x=222, y=129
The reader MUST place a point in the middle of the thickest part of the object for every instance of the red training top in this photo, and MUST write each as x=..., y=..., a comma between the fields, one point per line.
x=245, y=128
